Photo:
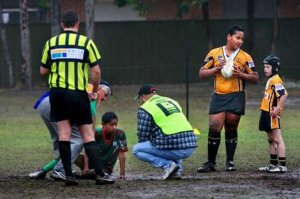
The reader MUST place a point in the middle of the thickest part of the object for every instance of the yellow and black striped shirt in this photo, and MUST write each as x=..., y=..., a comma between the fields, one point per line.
x=68, y=56
x=274, y=89
x=233, y=84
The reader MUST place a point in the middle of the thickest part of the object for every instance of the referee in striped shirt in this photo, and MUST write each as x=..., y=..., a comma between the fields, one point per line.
x=67, y=58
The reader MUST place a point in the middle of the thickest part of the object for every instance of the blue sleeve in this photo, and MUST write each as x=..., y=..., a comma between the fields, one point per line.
x=38, y=102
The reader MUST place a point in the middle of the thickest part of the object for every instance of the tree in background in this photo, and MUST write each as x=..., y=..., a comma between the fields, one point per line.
x=55, y=17
x=275, y=27
x=26, y=76
x=11, y=79
x=184, y=6
x=142, y=6
x=250, y=21
x=89, y=18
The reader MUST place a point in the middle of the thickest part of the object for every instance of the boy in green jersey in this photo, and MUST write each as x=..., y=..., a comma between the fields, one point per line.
x=112, y=146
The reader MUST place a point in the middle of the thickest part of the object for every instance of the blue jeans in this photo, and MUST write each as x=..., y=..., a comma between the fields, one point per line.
x=160, y=158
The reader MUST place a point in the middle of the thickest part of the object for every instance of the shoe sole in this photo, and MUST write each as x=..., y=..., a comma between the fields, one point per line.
x=206, y=171
x=58, y=178
x=37, y=177
x=233, y=169
x=173, y=170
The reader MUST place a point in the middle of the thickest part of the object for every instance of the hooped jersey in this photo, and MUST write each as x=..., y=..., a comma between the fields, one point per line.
x=274, y=89
x=233, y=84
x=110, y=144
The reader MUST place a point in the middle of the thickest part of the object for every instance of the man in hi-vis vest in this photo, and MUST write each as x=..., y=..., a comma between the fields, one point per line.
x=165, y=136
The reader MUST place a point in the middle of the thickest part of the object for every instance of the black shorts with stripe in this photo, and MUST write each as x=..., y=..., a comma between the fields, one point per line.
x=72, y=105
x=267, y=123
x=232, y=102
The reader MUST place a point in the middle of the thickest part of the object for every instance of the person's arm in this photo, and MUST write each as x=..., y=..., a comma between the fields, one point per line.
x=205, y=72
x=96, y=77
x=280, y=103
x=210, y=66
x=122, y=161
x=252, y=77
x=144, y=126
x=44, y=67
x=94, y=62
x=43, y=70
x=249, y=72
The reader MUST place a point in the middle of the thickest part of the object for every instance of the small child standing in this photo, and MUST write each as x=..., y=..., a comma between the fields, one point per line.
x=112, y=145
x=271, y=108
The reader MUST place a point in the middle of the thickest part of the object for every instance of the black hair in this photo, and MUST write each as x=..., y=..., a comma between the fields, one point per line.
x=108, y=117
x=234, y=29
x=69, y=19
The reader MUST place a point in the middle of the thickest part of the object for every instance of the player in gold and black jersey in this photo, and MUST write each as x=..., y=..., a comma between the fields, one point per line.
x=228, y=100
x=271, y=109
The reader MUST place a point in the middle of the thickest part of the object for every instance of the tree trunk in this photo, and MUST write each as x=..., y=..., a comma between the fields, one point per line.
x=205, y=11
x=55, y=17
x=89, y=18
x=26, y=76
x=250, y=20
x=11, y=80
x=275, y=27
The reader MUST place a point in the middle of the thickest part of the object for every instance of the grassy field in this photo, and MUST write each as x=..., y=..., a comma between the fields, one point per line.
x=25, y=143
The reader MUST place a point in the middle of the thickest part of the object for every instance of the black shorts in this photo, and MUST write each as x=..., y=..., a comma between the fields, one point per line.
x=232, y=102
x=267, y=123
x=70, y=105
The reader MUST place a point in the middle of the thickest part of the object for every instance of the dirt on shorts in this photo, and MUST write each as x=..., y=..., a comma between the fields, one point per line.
x=219, y=184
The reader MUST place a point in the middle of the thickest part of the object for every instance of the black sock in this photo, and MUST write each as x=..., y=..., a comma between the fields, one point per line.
x=230, y=143
x=273, y=159
x=213, y=146
x=282, y=161
x=93, y=154
x=230, y=149
x=65, y=154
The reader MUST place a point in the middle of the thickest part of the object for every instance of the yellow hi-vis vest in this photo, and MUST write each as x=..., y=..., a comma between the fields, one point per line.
x=167, y=114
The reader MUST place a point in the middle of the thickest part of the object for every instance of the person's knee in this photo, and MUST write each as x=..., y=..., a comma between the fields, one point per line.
x=135, y=149
x=231, y=135
x=278, y=140
x=270, y=140
x=215, y=126
x=214, y=134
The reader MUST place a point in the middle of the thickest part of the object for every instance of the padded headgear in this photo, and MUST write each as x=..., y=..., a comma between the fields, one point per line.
x=274, y=62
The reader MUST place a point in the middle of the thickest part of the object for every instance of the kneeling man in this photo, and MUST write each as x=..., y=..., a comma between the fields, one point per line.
x=164, y=134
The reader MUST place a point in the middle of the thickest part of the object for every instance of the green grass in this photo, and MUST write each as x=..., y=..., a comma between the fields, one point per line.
x=25, y=143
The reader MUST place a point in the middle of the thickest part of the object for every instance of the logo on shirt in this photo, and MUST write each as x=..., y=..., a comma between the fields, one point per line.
x=67, y=53
x=251, y=64
x=279, y=87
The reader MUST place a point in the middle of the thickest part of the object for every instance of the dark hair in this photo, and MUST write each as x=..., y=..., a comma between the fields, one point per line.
x=69, y=19
x=108, y=117
x=234, y=29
